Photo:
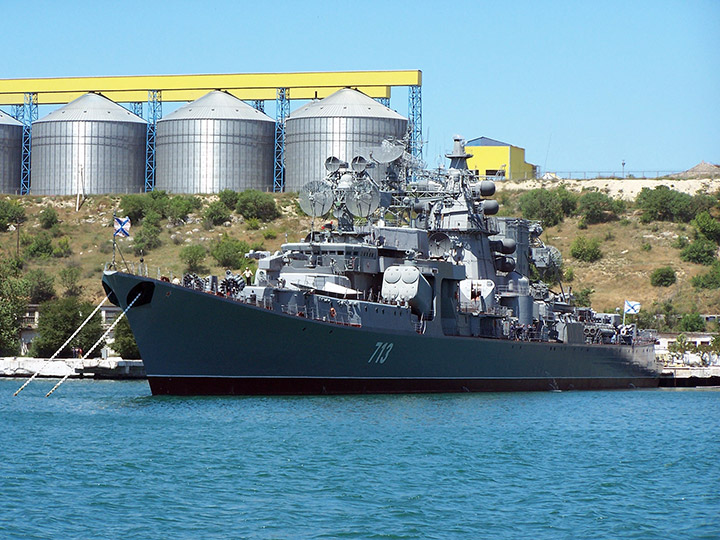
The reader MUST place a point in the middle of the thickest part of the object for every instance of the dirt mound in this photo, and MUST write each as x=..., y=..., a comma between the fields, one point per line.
x=701, y=170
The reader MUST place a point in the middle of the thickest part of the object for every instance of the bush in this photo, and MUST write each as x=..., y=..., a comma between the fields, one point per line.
x=63, y=248
x=707, y=226
x=709, y=280
x=270, y=234
x=256, y=204
x=680, y=242
x=229, y=198
x=10, y=213
x=692, y=322
x=700, y=251
x=193, y=256
x=569, y=274
x=229, y=252
x=41, y=245
x=543, y=205
x=568, y=200
x=134, y=206
x=48, y=217
x=253, y=224
x=125, y=344
x=582, y=299
x=59, y=319
x=147, y=238
x=665, y=204
x=216, y=213
x=586, y=249
x=41, y=286
x=179, y=207
x=663, y=277
x=13, y=301
x=597, y=207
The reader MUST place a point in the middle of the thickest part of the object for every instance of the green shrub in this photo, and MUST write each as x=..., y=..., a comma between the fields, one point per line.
x=229, y=252
x=269, y=234
x=569, y=274
x=256, y=204
x=543, y=205
x=48, y=217
x=597, y=207
x=10, y=213
x=663, y=277
x=193, y=257
x=125, y=344
x=568, y=200
x=582, y=299
x=645, y=246
x=253, y=224
x=58, y=320
x=709, y=280
x=216, y=213
x=41, y=286
x=692, y=322
x=700, y=251
x=179, y=207
x=708, y=226
x=63, y=248
x=665, y=204
x=147, y=238
x=680, y=242
x=13, y=302
x=41, y=245
x=229, y=198
x=134, y=206
x=585, y=249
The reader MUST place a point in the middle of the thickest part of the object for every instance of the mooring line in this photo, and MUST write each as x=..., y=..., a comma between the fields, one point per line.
x=61, y=346
x=97, y=342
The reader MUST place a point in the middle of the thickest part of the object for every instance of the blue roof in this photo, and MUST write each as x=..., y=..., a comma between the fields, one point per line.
x=486, y=141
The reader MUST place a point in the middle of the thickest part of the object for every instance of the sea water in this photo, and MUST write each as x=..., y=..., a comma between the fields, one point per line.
x=108, y=460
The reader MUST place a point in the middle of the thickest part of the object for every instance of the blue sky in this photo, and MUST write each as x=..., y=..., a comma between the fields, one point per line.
x=580, y=85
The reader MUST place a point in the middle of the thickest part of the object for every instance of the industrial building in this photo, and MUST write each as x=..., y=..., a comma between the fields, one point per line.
x=343, y=125
x=11, y=134
x=89, y=146
x=213, y=143
x=69, y=150
x=495, y=158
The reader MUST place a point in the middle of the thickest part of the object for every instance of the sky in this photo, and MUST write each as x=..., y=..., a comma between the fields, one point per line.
x=580, y=85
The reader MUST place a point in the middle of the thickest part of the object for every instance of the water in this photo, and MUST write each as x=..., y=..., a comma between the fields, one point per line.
x=107, y=460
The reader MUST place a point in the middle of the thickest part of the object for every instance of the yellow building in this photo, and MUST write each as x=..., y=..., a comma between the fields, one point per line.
x=491, y=158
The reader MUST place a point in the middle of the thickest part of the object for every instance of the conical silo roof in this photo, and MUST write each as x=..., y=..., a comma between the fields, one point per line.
x=347, y=103
x=92, y=108
x=217, y=105
x=7, y=120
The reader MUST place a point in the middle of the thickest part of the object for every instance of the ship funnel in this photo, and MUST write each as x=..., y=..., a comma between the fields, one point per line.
x=458, y=158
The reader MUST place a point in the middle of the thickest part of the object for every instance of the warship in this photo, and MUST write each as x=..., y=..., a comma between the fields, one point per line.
x=416, y=285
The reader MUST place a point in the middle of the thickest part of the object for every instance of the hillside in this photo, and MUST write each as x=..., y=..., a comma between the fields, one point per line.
x=631, y=249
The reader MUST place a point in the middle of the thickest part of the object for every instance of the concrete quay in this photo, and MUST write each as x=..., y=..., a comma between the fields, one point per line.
x=98, y=368
x=689, y=376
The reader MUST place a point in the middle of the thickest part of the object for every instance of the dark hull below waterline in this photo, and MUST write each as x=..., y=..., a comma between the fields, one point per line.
x=217, y=386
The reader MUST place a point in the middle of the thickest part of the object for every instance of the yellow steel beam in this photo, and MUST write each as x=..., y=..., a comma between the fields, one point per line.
x=188, y=87
x=56, y=98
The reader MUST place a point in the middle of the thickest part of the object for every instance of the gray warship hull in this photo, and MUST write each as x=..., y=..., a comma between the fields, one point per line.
x=196, y=343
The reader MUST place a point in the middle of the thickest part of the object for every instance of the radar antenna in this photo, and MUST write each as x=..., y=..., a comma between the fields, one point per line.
x=362, y=199
x=316, y=198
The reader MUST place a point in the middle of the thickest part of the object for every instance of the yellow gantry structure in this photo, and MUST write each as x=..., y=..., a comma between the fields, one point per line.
x=246, y=86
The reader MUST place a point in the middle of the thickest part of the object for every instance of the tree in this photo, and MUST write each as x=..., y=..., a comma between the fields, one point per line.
x=41, y=286
x=13, y=302
x=543, y=205
x=193, y=256
x=708, y=226
x=709, y=280
x=69, y=277
x=10, y=213
x=568, y=200
x=180, y=206
x=585, y=249
x=256, y=204
x=229, y=198
x=663, y=277
x=229, y=252
x=125, y=344
x=58, y=320
x=41, y=246
x=692, y=322
x=700, y=251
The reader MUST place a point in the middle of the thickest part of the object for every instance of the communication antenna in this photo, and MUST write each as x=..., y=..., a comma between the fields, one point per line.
x=316, y=198
x=387, y=152
x=362, y=199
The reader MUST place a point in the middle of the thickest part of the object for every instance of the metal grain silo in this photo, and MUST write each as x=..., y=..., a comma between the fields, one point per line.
x=342, y=125
x=11, y=133
x=90, y=144
x=216, y=142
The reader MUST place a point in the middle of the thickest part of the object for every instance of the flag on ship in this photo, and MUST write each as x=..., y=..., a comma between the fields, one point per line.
x=122, y=226
x=632, y=308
